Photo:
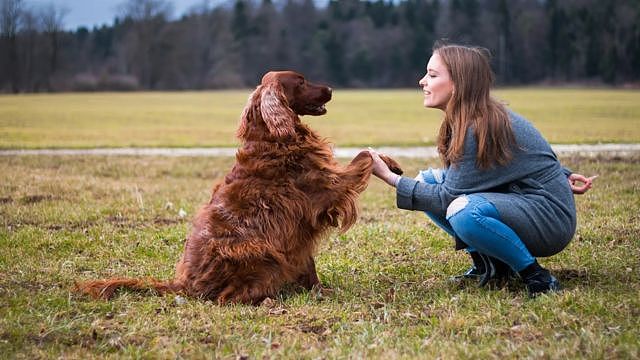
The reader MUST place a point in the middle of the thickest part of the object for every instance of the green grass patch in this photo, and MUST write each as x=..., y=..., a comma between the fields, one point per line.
x=64, y=219
x=355, y=117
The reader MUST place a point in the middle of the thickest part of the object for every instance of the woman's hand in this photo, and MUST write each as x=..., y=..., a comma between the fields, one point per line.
x=580, y=184
x=381, y=170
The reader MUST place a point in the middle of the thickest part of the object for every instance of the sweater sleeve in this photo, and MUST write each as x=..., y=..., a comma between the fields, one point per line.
x=416, y=195
x=565, y=170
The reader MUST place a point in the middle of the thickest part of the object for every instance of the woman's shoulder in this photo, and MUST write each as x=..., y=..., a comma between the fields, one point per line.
x=516, y=118
x=521, y=124
x=527, y=135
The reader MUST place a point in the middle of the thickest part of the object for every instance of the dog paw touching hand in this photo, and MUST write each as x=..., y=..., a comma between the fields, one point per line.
x=391, y=164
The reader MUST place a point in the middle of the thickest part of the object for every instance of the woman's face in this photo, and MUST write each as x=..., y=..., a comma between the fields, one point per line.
x=436, y=84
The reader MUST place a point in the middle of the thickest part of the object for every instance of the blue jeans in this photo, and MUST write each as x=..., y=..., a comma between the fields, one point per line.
x=476, y=222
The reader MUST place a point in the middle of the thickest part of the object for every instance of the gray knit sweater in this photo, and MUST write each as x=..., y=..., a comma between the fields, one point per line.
x=531, y=193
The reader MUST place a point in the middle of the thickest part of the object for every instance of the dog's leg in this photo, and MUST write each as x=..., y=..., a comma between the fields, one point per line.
x=353, y=181
x=309, y=278
x=253, y=293
x=357, y=173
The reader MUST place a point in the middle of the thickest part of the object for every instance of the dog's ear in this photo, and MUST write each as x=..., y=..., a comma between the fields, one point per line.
x=249, y=113
x=274, y=107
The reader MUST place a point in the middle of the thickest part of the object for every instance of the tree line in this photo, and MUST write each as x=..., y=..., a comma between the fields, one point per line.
x=346, y=43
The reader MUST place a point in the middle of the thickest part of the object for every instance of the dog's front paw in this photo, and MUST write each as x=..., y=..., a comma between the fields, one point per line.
x=392, y=164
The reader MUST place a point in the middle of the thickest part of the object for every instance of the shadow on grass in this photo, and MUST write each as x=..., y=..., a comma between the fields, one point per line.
x=600, y=278
x=569, y=279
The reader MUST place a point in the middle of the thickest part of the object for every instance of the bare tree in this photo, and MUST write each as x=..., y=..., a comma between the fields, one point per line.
x=52, y=18
x=144, y=10
x=30, y=33
x=10, y=11
x=141, y=50
x=9, y=16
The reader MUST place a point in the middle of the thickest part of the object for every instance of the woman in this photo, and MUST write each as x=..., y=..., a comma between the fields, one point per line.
x=502, y=194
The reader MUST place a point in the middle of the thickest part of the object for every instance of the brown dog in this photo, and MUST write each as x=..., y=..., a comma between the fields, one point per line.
x=260, y=229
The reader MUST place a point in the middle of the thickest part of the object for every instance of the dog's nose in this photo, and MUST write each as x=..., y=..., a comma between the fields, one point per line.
x=329, y=90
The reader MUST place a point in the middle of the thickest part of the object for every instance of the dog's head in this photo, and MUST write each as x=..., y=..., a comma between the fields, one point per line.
x=279, y=99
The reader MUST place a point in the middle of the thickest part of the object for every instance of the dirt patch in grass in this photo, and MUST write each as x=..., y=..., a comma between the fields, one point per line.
x=33, y=199
x=124, y=222
x=581, y=275
x=30, y=286
x=84, y=226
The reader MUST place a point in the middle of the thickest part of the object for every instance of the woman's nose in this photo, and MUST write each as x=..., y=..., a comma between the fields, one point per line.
x=423, y=81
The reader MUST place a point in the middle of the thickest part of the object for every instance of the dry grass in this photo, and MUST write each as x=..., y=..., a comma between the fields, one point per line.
x=70, y=218
x=355, y=118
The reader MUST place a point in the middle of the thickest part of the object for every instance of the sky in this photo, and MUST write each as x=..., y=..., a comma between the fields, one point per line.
x=98, y=12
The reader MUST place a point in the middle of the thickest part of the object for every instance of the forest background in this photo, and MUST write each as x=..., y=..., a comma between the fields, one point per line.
x=350, y=43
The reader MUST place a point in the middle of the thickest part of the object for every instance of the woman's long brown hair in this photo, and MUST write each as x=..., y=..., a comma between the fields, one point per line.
x=472, y=105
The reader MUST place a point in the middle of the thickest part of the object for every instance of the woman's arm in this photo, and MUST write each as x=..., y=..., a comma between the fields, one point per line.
x=412, y=194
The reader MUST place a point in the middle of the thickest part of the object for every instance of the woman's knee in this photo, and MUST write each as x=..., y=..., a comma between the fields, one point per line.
x=466, y=211
x=459, y=216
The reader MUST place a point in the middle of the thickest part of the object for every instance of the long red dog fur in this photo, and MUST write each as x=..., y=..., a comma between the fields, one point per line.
x=261, y=227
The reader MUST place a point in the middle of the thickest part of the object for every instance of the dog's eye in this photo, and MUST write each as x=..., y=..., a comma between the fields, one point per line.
x=301, y=82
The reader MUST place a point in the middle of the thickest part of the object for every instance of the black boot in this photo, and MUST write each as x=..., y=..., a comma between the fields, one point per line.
x=502, y=269
x=476, y=270
x=538, y=280
x=486, y=268
x=496, y=269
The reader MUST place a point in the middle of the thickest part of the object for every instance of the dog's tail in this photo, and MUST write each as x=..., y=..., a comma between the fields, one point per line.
x=105, y=289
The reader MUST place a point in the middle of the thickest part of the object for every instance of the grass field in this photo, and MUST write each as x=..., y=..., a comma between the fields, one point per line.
x=355, y=118
x=64, y=219
x=70, y=218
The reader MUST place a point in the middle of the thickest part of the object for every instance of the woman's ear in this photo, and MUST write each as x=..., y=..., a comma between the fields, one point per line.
x=276, y=114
